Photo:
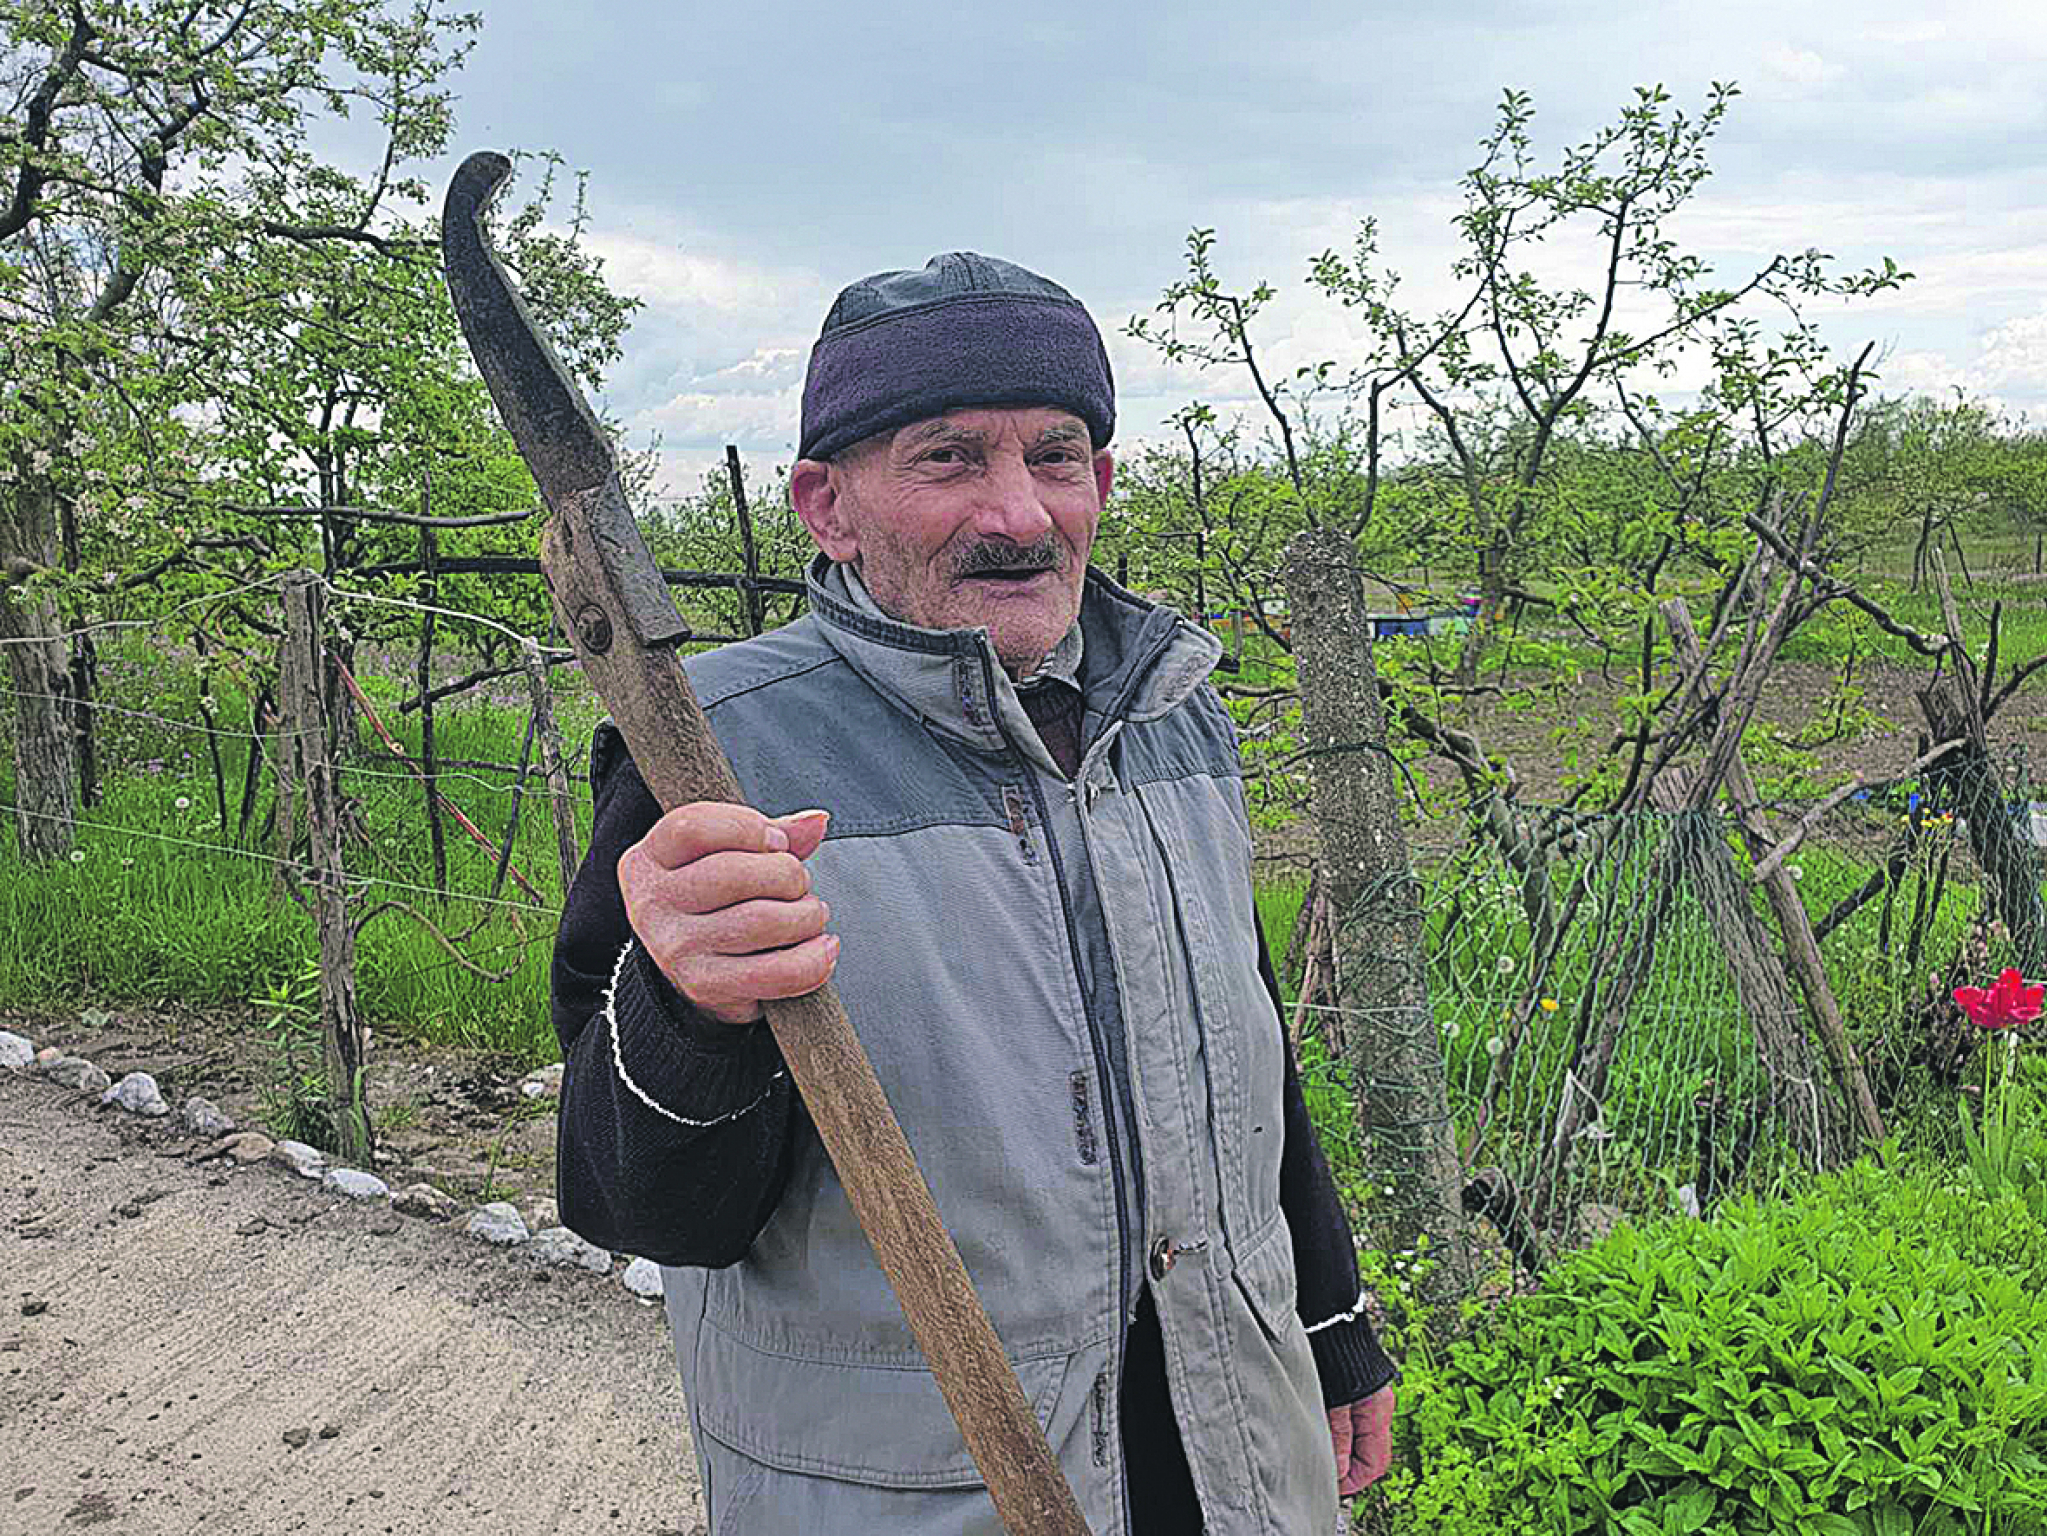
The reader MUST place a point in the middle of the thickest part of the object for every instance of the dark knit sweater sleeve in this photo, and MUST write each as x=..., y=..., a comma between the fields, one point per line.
x=1348, y=1357
x=675, y=1129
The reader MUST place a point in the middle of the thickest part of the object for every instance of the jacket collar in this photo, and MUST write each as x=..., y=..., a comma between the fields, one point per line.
x=1141, y=660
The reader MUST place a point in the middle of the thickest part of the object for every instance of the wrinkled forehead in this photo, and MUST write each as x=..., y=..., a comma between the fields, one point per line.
x=981, y=426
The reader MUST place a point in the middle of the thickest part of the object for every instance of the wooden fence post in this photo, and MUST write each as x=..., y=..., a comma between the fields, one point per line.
x=1801, y=947
x=750, y=594
x=310, y=763
x=1375, y=901
x=429, y=593
x=558, y=796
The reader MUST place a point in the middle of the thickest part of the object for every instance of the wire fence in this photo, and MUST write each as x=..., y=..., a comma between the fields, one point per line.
x=1625, y=1061
x=1618, y=1031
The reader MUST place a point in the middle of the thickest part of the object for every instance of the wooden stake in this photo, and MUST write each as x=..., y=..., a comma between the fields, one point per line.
x=1801, y=949
x=429, y=593
x=310, y=763
x=750, y=594
x=559, y=799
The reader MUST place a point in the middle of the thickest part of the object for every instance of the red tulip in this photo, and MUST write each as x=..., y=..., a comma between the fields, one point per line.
x=2011, y=1002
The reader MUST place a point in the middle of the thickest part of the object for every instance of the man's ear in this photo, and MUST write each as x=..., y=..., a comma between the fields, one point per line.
x=817, y=492
x=1105, y=474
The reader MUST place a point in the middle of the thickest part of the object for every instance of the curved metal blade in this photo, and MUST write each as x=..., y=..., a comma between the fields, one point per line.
x=546, y=414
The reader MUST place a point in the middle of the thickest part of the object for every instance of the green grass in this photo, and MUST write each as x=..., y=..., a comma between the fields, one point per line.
x=162, y=903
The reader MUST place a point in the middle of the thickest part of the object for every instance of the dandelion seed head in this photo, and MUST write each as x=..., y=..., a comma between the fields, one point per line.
x=183, y=802
x=1494, y=1046
x=1504, y=965
x=78, y=855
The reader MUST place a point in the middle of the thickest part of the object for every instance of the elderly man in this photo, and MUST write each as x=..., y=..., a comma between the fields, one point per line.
x=1003, y=810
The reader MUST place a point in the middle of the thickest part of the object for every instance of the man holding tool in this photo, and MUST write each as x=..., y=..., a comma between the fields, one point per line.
x=1004, y=784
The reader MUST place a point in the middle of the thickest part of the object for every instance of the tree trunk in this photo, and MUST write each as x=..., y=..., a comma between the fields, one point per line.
x=1966, y=783
x=39, y=673
x=310, y=763
x=1397, y=1059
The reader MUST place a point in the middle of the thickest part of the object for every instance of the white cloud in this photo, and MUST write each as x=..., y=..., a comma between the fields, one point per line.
x=668, y=275
x=2009, y=370
x=2014, y=356
x=1801, y=66
x=704, y=419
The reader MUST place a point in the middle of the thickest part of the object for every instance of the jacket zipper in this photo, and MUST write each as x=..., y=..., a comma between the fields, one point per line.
x=1111, y=1123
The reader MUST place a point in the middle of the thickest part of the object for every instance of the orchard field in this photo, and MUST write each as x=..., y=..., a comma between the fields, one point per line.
x=1696, y=761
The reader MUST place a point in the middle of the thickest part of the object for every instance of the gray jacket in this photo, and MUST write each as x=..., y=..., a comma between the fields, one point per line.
x=958, y=865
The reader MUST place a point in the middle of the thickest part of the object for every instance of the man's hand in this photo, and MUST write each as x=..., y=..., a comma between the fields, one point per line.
x=1362, y=1433
x=719, y=896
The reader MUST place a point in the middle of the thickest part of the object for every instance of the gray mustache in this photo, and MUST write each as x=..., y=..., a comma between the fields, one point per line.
x=982, y=558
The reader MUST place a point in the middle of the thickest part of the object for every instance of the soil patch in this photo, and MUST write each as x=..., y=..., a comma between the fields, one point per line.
x=189, y=1346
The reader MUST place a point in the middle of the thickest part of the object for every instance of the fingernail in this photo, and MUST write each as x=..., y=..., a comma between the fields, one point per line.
x=778, y=840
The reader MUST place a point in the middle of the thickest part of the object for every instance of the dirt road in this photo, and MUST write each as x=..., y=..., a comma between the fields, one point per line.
x=167, y=1329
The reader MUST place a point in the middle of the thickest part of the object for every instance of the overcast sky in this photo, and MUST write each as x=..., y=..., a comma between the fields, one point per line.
x=747, y=161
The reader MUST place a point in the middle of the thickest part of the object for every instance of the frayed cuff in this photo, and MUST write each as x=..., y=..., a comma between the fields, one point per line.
x=1348, y=1358
x=664, y=1054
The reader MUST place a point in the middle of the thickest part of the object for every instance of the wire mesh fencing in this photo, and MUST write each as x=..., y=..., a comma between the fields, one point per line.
x=1609, y=1006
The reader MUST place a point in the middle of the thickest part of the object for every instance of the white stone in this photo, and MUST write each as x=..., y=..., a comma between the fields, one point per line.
x=558, y=1245
x=355, y=1184
x=643, y=1278
x=499, y=1222
x=202, y=1117
x=1688, y=1201
x=137, y=1093
x=76, y=1072
x=16, y=1054
x=307, y=1162
x=544, y=1083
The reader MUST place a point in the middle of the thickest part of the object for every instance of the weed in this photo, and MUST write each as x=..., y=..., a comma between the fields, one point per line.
x=295, y=1099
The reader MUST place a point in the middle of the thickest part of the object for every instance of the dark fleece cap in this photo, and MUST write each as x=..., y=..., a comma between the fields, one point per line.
x=968, y=330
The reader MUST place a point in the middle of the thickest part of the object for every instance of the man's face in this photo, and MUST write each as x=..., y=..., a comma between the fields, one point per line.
x=979, y=517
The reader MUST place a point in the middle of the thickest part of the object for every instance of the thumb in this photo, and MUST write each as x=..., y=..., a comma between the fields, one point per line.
x=1341, y=1434
x=804, y=829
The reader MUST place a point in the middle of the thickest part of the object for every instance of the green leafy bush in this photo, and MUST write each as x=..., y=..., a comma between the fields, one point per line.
x=1868, y=1359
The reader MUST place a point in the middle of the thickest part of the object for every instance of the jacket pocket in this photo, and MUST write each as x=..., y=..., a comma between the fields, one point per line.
x=886, y=1425
x=1288, y=1430
x=1264, y=1272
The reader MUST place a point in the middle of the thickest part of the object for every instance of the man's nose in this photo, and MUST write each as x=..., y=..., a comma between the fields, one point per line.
x=1010, y=504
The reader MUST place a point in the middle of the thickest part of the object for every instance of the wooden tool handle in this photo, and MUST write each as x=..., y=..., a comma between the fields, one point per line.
x=651, y=702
